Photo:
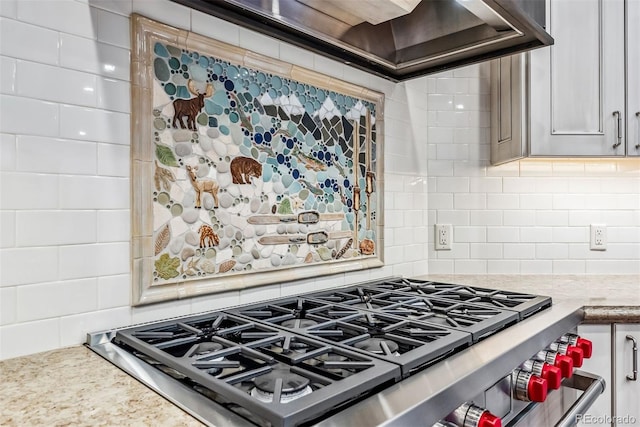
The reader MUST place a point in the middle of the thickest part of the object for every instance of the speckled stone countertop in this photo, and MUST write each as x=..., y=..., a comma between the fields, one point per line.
x=76, y=387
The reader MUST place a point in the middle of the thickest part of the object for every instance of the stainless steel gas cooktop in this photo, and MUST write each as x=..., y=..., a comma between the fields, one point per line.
x=301, y=360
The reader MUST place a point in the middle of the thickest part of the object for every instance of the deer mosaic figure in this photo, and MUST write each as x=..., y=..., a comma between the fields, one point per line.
x=190, y=107
x=203, y=186
x=208, y=237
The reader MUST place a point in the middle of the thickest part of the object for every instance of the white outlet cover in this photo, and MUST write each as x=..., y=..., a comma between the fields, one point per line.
x=443, y=236
x=598, y=237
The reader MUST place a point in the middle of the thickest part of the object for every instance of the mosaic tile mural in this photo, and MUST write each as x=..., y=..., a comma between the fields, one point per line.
x=254, y=171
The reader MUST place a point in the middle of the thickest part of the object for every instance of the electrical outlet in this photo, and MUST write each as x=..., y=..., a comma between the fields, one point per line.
x=598, y=237
x=443, y=237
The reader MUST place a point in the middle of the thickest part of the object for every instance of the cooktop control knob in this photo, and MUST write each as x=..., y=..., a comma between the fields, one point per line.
x=544, y=370
x=575, y=353
x=578, y=341
x=470, y=415
x=562, y=362
x=528, y=387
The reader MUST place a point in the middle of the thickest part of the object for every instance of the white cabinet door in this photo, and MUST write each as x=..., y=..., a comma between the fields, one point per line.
x=599, y=364
x=578, y=83
x=633, y=76
x=627, y=390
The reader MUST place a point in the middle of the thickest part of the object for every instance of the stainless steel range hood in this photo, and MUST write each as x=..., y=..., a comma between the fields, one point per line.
x=396, y=39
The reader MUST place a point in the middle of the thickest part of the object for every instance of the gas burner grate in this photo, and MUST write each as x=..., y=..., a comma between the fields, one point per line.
x=478, y=320
x=524, y=304
x=256, y=370
x=408, y=343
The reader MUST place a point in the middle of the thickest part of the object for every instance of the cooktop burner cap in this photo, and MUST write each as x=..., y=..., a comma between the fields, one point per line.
x=291, y=382
x=375, y=345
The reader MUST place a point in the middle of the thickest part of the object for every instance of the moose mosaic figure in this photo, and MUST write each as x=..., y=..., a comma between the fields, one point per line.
x=203, y=186
x=190, y=107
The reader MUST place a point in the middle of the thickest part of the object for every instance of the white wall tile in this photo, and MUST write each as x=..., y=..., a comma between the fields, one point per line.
x=7, y=152
x=519, y=251
x=7, y=229
x=569, y=266
x=83, y=192
x=28, y=265
x=7, y=75
x=536, y=234
x=121, y=7
x=486, y=217
x=113, y=29
x=27, y=338
x=8, y=8
x=552, y=218
x=167, y=12
x=261, y=293
x=28, y=191
x=470, y=266
x=552, y=251
x=470, y=201
x=55, y=155
x=18, y=116
x=536, y=266
x=47, y=300
x=469, y=234
x=94, y=57
x=259, y=43
x=485, y=250
x=114, y=226
x=90, y=124
x=49, y=228
x=74, y=328
x=114, y=95
x=55, y=84
x=62, y=15
x=149, y=313
x=7, y=305
x=114, y=160
x=501, y=266
x=503, y=234
x=103, y=259
x=25, y=41
x=114, y=291
x=215, y=302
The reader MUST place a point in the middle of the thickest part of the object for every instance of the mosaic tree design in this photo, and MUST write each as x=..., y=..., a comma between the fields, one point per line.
x=254, y=171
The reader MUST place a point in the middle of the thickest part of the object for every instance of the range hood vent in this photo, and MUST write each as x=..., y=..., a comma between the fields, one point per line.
x=395, y=39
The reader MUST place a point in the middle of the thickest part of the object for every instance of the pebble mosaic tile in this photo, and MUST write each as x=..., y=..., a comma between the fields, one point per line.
x=253, y=171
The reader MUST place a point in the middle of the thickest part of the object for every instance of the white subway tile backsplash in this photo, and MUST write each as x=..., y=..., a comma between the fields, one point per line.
x=536, y=234
x=7, y=75
x=262, y=293
x=485, y=250
x=7, y=229
x=259, y=43
x=469, y=234
x=570, y=234
x=502, y=266
x=28, y=265
x=52, y=228
x=114, y=226
x=168, y=12
x=215, y=28
x=536, y=201
x=114, y=291
x=8, y=8
x=28, y=191
x=618, y=266
x=149, y=313
x=17, y=116
x=85, y=192
x=296, y=55
x=8, y=305
x=67, y=16
x=552, y=251
x=456, y=217
x=519, y=217
x=113, y=160
x=83, y=54
x=536, y=266
x=519, y=251
x=7, y=152
x=215, y=302
x=103, y=259
x=74, y=328
x=470, y=266
x=552, y=218
x=47, y=300
x=503, y=234
x=113, y=29
x=54, y=155
x=486, y=217
x=114, y=95
x=42, y=335
x=470, y=201
x=121, y=7
x=25, y=41
x=90, y=124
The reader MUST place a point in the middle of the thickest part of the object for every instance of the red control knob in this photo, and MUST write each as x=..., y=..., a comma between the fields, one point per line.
x=537, y=389
x=553, y=375
x=565, y=364
x=545, y=370
x=576, y=354
x=562, y=362
x=576, y=340
x=528, y=387
x=487, y=419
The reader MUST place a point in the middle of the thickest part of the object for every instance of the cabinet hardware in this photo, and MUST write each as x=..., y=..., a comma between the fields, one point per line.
x=634, y=376
x=619, y=132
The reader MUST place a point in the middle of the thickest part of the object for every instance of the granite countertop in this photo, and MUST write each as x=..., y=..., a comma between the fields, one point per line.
x=74, y=386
